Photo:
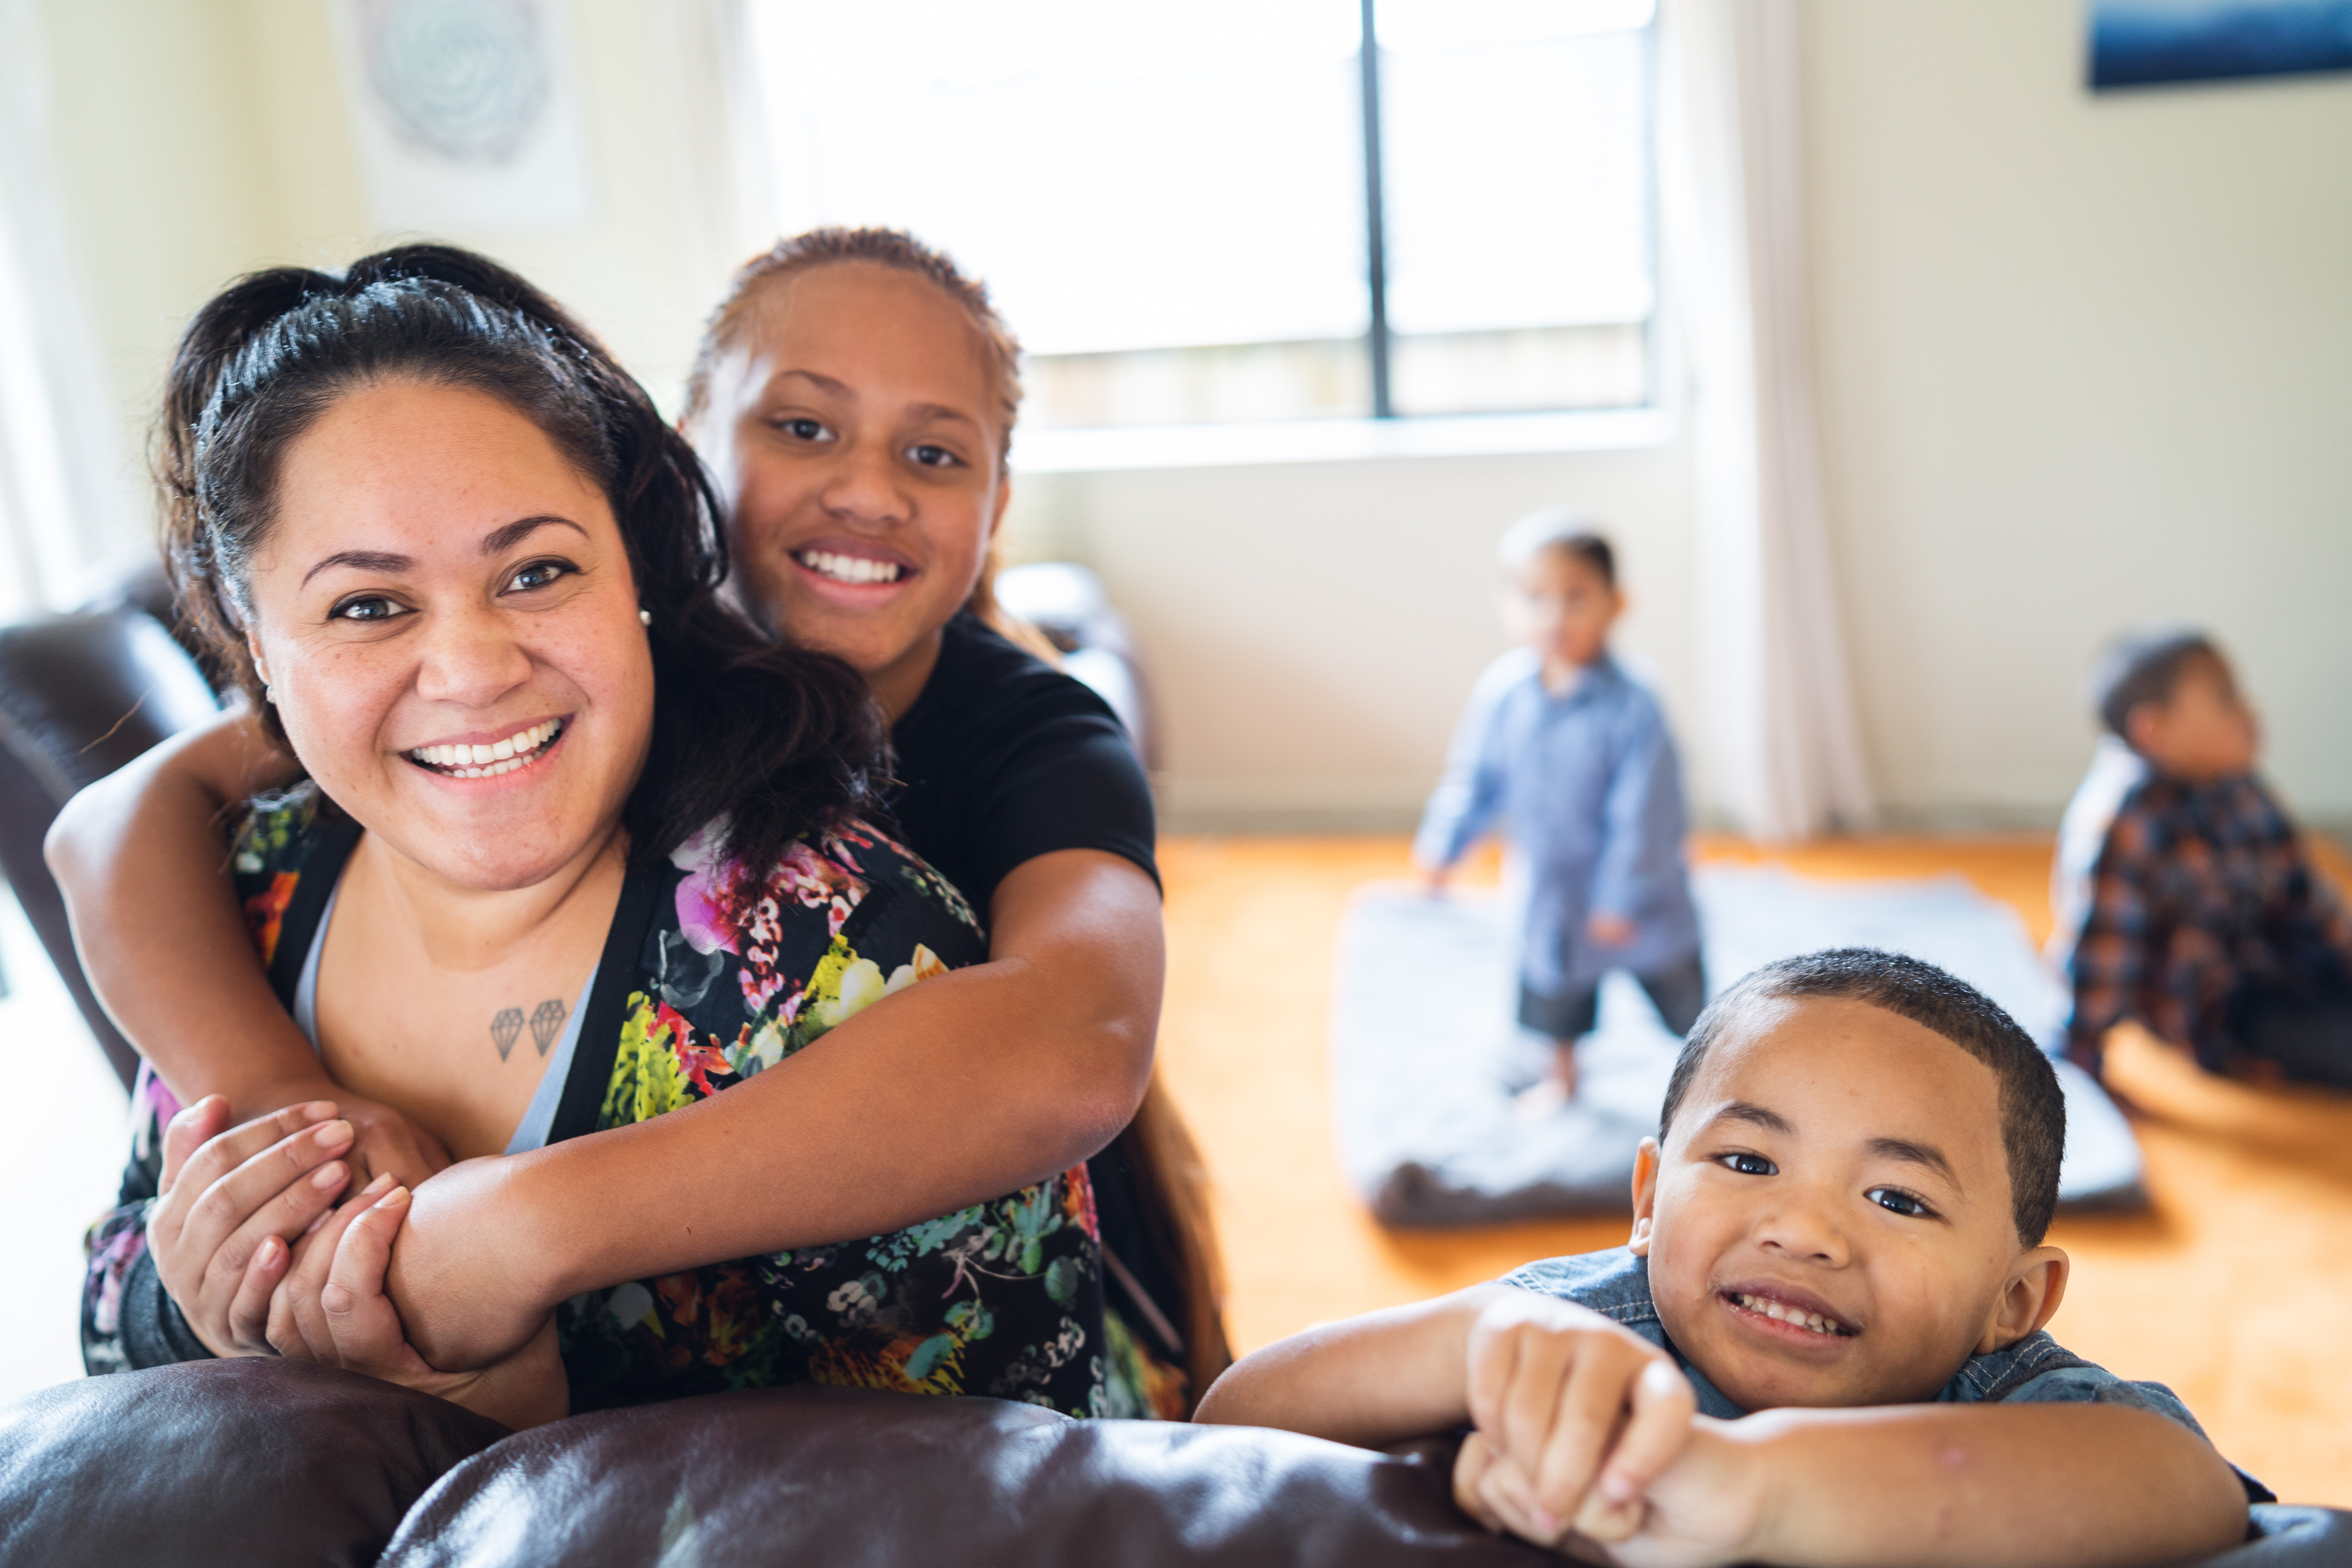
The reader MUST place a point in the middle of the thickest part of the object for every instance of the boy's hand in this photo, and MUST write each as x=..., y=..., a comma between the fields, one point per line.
x=1704, y=1509
x=1610, y=930
x=1575, y=1417
x=1432, y=879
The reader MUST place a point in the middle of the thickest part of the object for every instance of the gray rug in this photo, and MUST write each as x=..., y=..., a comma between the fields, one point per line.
x=1426, y=1055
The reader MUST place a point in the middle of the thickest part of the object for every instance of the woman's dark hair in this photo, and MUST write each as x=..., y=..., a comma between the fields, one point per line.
x=780, y=739
x=2032, y=1107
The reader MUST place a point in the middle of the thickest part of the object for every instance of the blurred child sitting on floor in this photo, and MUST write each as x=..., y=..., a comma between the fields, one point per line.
x=2184, y=897
x=1574, y=755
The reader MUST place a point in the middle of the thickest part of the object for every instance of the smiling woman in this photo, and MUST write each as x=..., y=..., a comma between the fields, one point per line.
x=453, y=554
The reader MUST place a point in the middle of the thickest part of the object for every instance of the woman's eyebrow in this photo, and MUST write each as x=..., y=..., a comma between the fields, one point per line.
x=1925, y=1154
x=364, y=560
x=500, y=539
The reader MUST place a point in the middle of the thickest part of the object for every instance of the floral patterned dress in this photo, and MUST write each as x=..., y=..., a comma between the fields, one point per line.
x=710, y=976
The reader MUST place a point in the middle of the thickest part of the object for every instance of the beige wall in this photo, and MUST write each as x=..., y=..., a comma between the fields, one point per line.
x=2084, y=361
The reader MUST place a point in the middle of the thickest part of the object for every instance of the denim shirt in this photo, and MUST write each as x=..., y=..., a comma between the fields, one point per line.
x=1592, y=794
x=2035, y=1370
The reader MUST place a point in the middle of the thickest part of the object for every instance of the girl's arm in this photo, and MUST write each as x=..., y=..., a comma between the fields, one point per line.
x=140, y=858
x=972, y=1085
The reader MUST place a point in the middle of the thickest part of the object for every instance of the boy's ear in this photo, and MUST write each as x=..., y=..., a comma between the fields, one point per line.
x=2037, y=1283
x=2143, y=726
x=1645, y=1196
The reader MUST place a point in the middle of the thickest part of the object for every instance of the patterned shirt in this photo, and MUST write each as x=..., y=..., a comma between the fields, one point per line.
x=710, y=976
x=2198, y=891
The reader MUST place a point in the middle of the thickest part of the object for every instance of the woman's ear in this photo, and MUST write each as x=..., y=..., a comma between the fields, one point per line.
x=1645, y=1196
x=2037, y=1283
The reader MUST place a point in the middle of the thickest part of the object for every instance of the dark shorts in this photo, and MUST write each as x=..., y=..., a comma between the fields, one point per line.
x=2306, y=1030
x=1679, y=994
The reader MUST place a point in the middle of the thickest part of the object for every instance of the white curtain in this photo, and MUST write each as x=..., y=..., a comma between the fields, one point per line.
x=1778, y=729
x=68, y=508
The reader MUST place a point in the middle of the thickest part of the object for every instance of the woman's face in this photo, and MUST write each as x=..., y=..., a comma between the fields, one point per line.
x=856, y=431
x=445, y=612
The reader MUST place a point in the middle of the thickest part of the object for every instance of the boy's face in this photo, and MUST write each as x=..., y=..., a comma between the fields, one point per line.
x=1559, y=606
x=2204, y=732
x=1829, y=1222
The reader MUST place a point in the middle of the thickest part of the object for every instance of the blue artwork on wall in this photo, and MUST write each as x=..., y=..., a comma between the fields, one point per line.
x=2139, y=43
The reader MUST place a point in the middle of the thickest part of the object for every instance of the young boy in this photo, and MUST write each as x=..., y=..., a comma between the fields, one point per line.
x=1840, y=1226
x=2184, y=897
x=1574, y=754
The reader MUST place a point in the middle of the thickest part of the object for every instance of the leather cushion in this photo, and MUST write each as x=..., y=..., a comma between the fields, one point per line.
x=848, y=1476
x=245, y=1464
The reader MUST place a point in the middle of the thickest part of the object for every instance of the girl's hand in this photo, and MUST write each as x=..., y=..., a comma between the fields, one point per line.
x=466, y=1275
x=332, y=1309
x=384, y=1141
x=234, y=1202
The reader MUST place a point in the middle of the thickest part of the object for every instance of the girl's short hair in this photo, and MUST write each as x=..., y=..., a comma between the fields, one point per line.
x=777, y=739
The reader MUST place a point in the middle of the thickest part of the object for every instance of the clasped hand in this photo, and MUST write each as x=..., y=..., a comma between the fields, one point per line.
x=1587, y=1439
x=249, y=1239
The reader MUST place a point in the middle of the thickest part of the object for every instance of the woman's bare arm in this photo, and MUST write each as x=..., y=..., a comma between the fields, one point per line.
x=966, y=1086
x=141, y=859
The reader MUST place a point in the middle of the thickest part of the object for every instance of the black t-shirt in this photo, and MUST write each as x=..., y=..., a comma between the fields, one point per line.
x=1003, y=759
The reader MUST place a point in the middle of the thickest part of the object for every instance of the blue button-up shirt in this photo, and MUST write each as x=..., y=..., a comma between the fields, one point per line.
x=1592, y=794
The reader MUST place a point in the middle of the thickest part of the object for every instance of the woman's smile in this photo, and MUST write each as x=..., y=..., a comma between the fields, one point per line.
x=517, y=750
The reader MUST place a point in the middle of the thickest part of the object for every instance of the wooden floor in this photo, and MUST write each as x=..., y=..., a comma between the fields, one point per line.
x=2232, y=1286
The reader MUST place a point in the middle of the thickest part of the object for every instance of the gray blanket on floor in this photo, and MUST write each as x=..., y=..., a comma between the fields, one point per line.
x=1426, y=1055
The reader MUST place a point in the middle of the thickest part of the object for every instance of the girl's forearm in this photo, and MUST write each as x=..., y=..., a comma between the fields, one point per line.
x=2070, y=1484
x=144, y=871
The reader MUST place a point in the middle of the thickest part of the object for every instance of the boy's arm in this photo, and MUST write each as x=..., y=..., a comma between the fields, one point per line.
x=1467, y=797
x=2074, y=1485
x=140, y=859
x=2103, y=970
x=1371, y=1381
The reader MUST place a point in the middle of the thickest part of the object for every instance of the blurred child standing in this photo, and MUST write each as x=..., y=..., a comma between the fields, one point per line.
x=1573, y=755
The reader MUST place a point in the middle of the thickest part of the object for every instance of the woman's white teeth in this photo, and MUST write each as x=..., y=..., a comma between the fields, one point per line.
x=489, y=761
x=1788, y=1314
x=850, y=568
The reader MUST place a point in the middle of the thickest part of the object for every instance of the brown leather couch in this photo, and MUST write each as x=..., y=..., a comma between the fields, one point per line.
x=259, y=1463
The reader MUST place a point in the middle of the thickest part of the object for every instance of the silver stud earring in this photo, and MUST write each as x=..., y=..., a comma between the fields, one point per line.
x=644, y=617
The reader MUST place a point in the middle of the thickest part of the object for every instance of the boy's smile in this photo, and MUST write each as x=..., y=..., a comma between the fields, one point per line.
x=1830, y=1221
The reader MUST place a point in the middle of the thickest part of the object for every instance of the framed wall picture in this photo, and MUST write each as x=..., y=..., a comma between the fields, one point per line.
x=2146, y=43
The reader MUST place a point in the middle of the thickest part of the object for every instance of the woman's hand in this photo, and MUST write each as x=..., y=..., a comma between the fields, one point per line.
x=234, y=1202
x=332, y=1309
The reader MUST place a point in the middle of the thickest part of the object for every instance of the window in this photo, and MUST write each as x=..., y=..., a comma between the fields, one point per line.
x=1232, y=210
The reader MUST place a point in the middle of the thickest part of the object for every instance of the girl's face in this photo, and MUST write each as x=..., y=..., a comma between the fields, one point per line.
x=445, y=612
x=856, y=433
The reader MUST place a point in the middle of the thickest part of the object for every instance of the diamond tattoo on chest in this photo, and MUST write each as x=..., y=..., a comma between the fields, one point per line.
x=546, y=1026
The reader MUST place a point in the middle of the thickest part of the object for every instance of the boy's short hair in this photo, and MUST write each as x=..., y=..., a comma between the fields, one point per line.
x=2143, y=667
x=2032, y=1106
x=1561, y=528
